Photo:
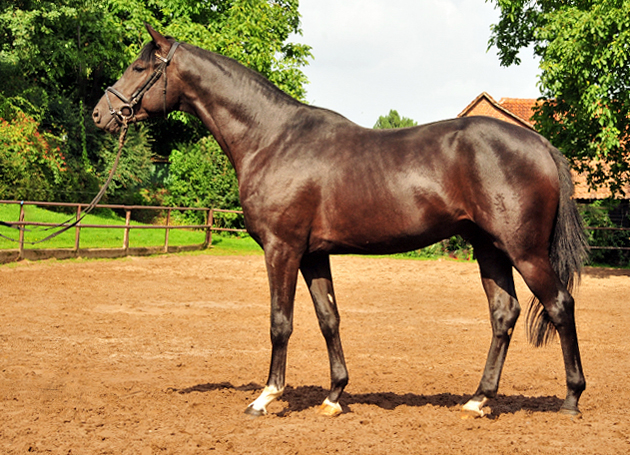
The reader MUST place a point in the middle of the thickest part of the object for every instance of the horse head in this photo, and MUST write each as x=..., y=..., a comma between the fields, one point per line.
x=144, y=90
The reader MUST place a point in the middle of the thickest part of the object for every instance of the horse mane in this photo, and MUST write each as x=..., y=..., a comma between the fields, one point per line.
x=229, y=66
x=236, y=70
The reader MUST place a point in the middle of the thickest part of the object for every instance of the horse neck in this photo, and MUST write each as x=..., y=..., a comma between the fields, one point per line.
x=244, y=112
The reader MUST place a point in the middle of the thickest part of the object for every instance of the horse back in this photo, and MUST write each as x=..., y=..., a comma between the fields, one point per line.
x=349, y=189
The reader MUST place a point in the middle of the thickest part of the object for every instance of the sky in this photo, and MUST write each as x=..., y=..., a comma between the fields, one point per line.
x=427, y=59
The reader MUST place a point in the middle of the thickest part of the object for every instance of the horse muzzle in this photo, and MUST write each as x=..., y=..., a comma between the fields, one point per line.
x=112, y=119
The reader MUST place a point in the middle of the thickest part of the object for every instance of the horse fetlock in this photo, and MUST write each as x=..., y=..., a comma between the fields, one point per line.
x=259, y=406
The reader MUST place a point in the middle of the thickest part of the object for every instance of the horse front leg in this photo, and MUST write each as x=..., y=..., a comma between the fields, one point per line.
x=316, y=271
x=498, y=282
x=282, y=266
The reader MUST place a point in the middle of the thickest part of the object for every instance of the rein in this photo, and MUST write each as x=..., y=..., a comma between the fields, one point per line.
x=124, y=115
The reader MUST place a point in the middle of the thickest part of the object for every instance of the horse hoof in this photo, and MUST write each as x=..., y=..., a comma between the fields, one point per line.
x=252, y=412
x=473, y=409
x=329, y=409
x=570, y=412
x=470, y=414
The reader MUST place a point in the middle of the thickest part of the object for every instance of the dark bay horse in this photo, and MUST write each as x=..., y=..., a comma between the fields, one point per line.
x=313, y=184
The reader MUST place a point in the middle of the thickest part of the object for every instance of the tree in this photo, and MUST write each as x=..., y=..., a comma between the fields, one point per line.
x=393, y=120
x=60, y=55
x=584, y=50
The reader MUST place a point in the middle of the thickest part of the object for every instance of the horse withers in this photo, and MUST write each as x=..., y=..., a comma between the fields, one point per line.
x=313, y=184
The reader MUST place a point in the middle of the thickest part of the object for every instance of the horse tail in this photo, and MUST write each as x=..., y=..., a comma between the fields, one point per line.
x=567, y=252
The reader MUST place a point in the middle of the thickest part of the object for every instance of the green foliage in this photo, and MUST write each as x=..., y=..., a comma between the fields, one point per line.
x=58, y=56
x=201, y=176
x=393, y=120
x=584, y=47
x=31, y=164
x=454, y=247
x=134, y=169
x=597, y=214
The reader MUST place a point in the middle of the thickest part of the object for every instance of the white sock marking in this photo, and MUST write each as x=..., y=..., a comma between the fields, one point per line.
x=268, y=394
x=475, y=407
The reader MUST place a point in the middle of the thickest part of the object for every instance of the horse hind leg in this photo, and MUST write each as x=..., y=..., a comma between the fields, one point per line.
x=498, y=283
x=559, y=306
x=316, y=271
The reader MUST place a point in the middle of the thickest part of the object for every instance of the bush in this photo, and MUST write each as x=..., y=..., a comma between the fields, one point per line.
x=31, y=163
x=200, y=175
x=454, y=247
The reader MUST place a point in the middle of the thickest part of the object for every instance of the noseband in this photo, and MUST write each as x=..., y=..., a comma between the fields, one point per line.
x=125, y=113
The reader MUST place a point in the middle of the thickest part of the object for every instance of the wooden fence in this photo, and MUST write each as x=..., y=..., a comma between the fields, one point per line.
x=617, y=229
x=126, y=250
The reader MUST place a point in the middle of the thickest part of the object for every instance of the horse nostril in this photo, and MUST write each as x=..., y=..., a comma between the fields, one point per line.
x=96, y=115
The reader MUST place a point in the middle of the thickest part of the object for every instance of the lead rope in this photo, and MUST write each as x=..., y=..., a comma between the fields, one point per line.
x=64, y=226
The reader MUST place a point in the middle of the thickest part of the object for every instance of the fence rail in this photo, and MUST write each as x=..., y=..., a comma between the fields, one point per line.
x=209, y=226
x=126, y=250
x=615, y=229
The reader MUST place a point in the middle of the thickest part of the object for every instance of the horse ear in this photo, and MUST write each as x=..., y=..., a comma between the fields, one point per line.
x=159, y=39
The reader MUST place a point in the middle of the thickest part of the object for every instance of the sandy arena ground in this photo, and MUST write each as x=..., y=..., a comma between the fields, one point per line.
x=161, y=355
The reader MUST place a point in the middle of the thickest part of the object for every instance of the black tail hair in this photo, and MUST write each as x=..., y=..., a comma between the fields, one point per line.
x=568, y=252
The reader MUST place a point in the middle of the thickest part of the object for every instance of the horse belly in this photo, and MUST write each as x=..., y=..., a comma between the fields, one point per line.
x=382, y=228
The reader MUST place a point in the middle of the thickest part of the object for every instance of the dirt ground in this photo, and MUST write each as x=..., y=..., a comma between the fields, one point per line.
x=161, y=355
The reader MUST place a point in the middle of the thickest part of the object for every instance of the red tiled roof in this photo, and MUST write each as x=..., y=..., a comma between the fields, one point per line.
x=583, y=191
x=484, y=104
x=521, y=107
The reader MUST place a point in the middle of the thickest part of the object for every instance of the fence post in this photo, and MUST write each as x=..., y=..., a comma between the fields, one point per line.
x=126, y=236
x=77, y=233
x=209, y=222
x=168, y=222
x=21, y=236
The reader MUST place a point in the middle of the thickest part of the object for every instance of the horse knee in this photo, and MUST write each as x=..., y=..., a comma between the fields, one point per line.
x=328, y=319
x=281, y=330
x=329, y=326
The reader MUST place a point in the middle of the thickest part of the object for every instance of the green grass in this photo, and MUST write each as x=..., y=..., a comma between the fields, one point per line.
x=222, y=244
x=90, y=238
x=231, y=245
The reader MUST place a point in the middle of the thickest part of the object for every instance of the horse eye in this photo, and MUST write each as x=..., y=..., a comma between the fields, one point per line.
x=138, y=68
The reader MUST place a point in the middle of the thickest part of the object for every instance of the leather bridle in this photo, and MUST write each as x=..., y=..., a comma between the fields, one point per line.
x=125, y=114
